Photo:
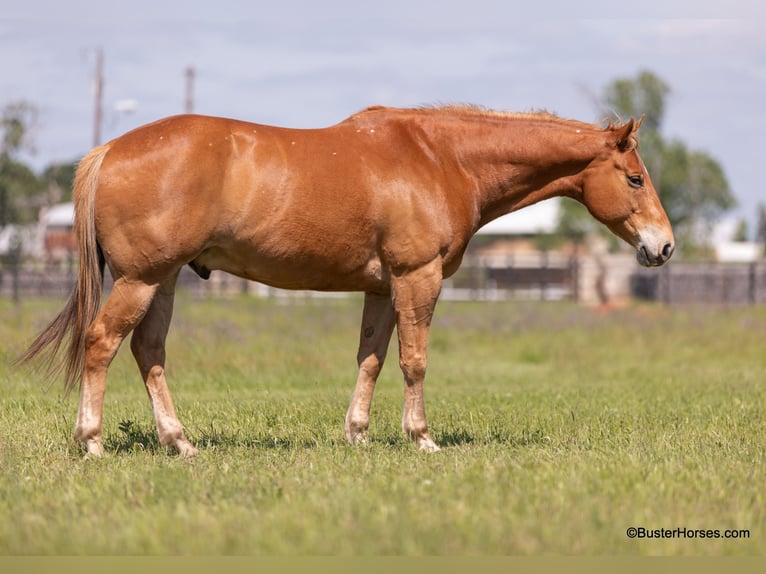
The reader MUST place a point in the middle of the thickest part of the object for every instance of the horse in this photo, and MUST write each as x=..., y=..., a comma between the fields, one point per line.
x=384, y=202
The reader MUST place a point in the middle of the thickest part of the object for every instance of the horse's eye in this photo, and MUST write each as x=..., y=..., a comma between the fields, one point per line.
x=636, y=180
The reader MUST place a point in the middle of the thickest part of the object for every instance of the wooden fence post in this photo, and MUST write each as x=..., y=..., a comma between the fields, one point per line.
x=751, y=284
x=15, y=257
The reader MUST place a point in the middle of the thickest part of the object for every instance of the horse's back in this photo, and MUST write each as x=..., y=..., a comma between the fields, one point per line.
x=246, y=198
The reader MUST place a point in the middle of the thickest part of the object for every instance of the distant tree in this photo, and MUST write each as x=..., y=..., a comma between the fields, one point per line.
x=19, y=186
x=16, y=121
x=646, y=95
x=760, y=226
x=741, y=232
x=691, y=184
x=59, y=179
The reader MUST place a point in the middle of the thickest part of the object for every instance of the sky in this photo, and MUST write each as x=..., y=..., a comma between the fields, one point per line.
x=313, y=63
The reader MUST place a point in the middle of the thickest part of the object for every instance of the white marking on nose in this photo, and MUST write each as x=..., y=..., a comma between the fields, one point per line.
x=372, y=131
x=655, y=246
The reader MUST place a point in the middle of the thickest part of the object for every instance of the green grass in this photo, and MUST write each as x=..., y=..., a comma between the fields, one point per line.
x=560, y=429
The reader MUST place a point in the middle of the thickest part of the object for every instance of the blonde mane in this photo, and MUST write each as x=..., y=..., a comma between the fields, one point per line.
x=476, y=111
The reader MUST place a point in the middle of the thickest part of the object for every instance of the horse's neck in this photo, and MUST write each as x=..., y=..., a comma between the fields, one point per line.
x=518, y=162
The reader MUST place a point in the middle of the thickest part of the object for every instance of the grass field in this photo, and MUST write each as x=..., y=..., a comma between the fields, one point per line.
x=560, y=427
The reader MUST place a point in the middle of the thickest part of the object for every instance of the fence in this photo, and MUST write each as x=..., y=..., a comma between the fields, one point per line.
x=534, y=276
x=39, y=279
x=545, y=276
x=20, y=280
x=715, y=283
x=537, y=275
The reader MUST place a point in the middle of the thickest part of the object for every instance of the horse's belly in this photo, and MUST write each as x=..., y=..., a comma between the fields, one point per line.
x=300, y=271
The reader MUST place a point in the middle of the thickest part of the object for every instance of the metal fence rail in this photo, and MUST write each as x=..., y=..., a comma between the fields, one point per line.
x=570, y=278
x=38, y=279
x=715, y=283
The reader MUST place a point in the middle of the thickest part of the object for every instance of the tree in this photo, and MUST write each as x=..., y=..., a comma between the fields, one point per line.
x=643, y=95
x=691, y=184
x=15, y=122
x=59, y=178
x=19, y=186
x=740, y=233
x=760, y=226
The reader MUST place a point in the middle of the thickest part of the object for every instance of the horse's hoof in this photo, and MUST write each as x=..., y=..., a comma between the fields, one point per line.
x=358, y=438
x=185, y=449
x=425, y=444
x=93, y=449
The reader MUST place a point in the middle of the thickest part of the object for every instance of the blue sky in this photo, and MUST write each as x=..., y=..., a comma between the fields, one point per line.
x=310, y=64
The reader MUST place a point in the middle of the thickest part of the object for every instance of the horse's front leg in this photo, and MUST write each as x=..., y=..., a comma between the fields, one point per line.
x=377, y=325
x=415, y=295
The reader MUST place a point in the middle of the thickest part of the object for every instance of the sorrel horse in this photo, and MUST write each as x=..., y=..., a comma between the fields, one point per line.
x=384, y=202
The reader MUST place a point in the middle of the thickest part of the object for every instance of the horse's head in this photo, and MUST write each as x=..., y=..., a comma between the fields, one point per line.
x=618, y=191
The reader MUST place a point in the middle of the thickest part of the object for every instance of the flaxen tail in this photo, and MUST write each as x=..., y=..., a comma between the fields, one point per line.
x=84, y=301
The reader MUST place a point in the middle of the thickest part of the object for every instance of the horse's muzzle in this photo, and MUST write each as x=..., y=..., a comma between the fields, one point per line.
x=649, y=257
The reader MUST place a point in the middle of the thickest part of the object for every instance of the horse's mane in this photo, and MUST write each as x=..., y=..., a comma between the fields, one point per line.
x=473, y=111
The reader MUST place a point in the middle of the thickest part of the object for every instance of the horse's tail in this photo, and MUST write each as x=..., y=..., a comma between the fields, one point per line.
x=82, y=306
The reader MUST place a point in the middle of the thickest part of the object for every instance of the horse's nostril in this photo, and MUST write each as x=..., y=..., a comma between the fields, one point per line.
x=667, y=250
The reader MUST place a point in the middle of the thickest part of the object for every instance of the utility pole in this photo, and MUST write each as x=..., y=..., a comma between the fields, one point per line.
x=189, y=105
x=98, y=91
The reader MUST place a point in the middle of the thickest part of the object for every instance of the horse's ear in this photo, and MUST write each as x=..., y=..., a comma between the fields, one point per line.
x=639, y=122
x=623, y=135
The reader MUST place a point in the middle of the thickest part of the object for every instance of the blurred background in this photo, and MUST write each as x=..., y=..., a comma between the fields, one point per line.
x=79, y=73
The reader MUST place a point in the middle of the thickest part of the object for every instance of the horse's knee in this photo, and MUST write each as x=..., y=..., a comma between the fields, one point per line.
x=413, y=366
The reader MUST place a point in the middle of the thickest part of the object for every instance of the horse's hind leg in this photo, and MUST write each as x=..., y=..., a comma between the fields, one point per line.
x=123, y=309
x=148, y=346
x=378, y=321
